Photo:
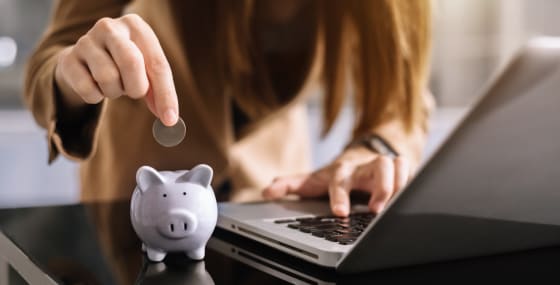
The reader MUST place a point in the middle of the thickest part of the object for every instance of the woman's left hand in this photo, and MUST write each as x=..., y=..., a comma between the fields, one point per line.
x=356, y=169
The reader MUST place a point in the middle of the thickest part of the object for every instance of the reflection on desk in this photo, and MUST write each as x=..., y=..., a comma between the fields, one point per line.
x=95, y=244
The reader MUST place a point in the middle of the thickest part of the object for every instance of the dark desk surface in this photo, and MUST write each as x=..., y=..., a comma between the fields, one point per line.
x=95, y=244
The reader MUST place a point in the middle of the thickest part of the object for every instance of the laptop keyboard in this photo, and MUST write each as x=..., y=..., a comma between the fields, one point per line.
x=332, y=228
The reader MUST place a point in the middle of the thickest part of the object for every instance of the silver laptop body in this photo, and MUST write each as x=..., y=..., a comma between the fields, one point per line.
x=492, y=187
x=261, y=262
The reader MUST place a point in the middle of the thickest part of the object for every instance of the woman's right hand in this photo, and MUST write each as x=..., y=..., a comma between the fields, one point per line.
x=114, y=58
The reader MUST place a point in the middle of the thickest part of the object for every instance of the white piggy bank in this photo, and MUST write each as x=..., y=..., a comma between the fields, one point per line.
x=174, y=211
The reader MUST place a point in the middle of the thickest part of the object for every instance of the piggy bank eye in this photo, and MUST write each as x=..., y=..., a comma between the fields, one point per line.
x=164, y=195
x=184, y=193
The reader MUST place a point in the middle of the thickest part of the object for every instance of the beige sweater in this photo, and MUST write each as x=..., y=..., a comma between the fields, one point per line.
x=116, y=139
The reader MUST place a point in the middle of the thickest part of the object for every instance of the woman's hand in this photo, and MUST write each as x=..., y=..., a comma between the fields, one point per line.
x=355, y=169
x=114, y=58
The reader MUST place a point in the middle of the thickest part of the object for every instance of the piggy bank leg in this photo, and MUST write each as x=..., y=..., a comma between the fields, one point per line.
x=197, y=254
x=155, y=255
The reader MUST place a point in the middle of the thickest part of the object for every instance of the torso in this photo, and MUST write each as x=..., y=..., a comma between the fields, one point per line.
x=277, y=145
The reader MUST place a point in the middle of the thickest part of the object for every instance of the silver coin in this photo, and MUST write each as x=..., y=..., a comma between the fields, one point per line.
x=169, y=136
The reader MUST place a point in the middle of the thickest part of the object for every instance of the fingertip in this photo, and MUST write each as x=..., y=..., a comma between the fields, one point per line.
x=376, y=206
x=340, y=200
x=272, y=191
x=169, y=117
x=266, y=193
x=340, y=210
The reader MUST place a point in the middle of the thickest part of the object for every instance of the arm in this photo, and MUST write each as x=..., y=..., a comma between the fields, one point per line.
x=71, y=128
x=86, y=57
x=358, y=168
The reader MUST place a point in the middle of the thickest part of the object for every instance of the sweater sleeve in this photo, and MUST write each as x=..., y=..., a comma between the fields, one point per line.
x=73, y=135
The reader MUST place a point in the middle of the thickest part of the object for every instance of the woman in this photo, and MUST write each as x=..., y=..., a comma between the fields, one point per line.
x=237, y=73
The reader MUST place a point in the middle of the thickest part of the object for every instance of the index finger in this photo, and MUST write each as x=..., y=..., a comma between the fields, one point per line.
x=339, y=191
x=157, y=68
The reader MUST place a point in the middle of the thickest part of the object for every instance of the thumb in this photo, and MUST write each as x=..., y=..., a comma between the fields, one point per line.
x=305, y=185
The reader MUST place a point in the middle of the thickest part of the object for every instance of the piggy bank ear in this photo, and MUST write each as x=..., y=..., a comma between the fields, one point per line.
x=146, y=177
x=200, y=174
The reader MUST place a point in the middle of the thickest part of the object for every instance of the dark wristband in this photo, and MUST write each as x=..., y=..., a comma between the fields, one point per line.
x=376, y=144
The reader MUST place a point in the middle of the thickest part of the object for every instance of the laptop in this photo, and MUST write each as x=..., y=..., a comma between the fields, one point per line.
x=492, y=187
x=275, y=265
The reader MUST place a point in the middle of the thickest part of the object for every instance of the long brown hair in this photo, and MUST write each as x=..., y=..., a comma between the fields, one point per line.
x=381, y=46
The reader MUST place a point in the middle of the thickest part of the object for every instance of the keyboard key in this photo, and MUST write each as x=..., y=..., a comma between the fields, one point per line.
x=346, y=241
x=320, y=233
x=327, y=226
x=306, y=219
x=361, y=226
x=347, y=236
x=328, y=220
x=349, y=232
x=294, y=226
x=306, y=229
x=285, y=221
x=332, y=237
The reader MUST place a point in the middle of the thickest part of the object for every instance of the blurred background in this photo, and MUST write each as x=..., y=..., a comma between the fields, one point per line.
x=472, y=39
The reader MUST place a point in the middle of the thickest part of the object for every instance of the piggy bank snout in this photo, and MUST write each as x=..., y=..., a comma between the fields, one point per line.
x=177, y=224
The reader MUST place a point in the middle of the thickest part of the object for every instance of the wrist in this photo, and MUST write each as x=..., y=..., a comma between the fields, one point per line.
x=358, y=153
x=374, y=143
